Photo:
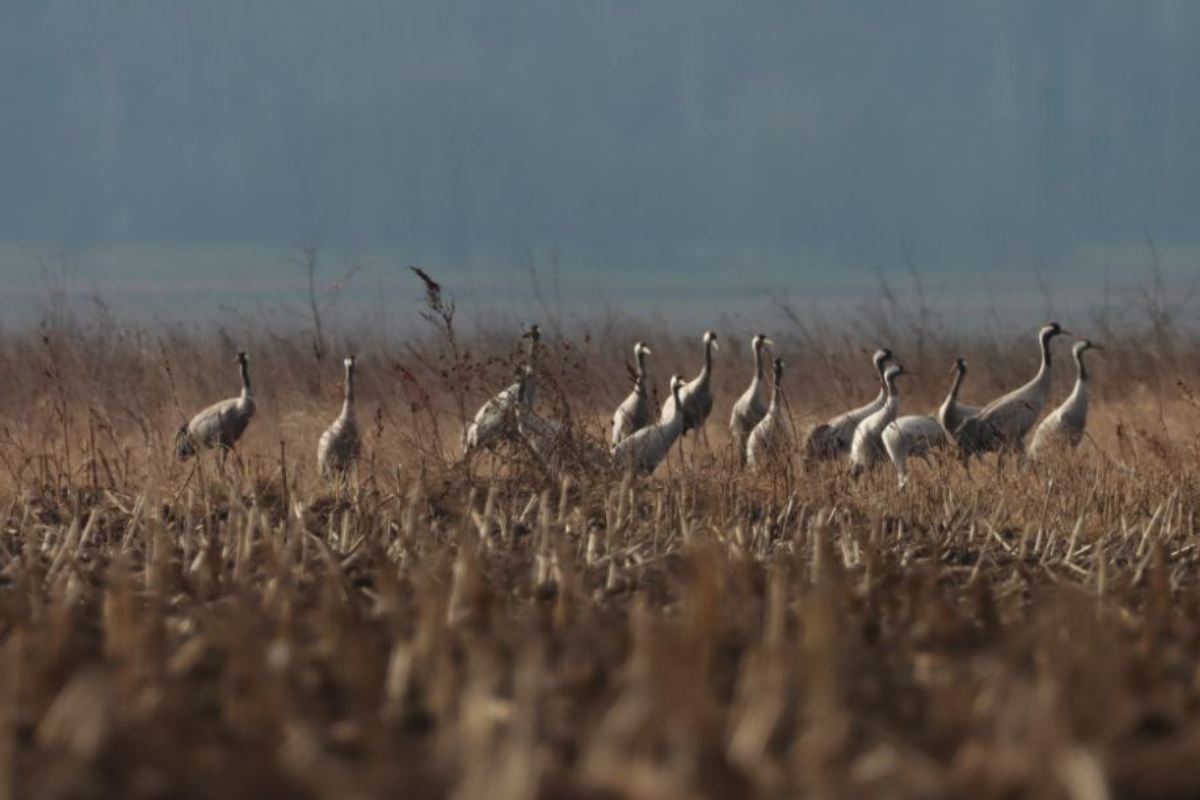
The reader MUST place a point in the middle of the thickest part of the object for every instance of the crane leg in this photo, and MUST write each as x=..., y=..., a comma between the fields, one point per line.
x=686, y=453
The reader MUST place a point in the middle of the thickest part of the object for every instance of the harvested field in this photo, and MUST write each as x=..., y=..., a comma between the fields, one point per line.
x=495, y=630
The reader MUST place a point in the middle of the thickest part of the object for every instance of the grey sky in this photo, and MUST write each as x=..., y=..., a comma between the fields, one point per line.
x=793, y=142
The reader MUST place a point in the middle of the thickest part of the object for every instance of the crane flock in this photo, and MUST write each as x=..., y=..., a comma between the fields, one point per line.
x=760, y=424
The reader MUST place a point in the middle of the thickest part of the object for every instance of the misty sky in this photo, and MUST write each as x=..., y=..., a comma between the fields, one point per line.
x=761, y=146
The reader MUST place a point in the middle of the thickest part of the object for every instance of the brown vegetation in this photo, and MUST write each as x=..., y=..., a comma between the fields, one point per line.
x=173, y=630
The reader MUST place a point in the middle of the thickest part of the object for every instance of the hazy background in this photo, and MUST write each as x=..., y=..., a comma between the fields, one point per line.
x=678, y=157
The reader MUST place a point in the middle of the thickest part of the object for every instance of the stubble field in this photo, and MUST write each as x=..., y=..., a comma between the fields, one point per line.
x=498, y=630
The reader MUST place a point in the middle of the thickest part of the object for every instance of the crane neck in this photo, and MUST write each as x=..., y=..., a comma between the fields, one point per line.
x=1045, y=342
x=526, y=388
x=881, y=369
x=706, y=370
x=959, y=374
x=247, y=389
x=892, y=389
x=1042, y=379
x=640, y=383
x=348, y=402
x=883, y=391
x=533, y=354
x=677, y=410
x=758, y=365
x=1083, y=373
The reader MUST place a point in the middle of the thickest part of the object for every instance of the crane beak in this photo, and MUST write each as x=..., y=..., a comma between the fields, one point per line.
x=647, y=351
x=768, y=342
x=714, y=344
x=1095, y=347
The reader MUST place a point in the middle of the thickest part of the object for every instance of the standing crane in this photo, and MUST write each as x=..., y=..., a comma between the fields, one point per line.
x=908, y=436
x=951, y=413
x=918, y=434
x=751, y=407
x=494, y=419
x=832, y=439
x=635, y=411
x=695, y=396
x=1003, y=423
x=771, y=440
x=221, y=424
x=1064, y=426
x=867, y=446
x=644, y=450
x=339, y=447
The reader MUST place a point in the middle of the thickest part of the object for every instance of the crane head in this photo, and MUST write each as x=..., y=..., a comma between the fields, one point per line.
x=710, y=339
x=881, y=357
x=242, y=358
x=761, y=340
x=533, y=332
x=960, y=365
x=1052, y=329
x=641, y=349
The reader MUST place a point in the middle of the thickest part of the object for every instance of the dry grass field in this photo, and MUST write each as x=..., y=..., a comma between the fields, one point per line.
x=178, y=630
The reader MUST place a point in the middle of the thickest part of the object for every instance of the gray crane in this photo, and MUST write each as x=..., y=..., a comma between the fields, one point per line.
x=1064, y=426
x=1003, y=423
x=867, y=447
x=695, y=395
x=951, y=414
x=221, y=424
x=635, y=411
x=643, y=451
x=832, y=439
x=770, y=442
x=913, y=435
x=339, y=447
x=751, y=407
x=494, y=419
x=917, y=435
